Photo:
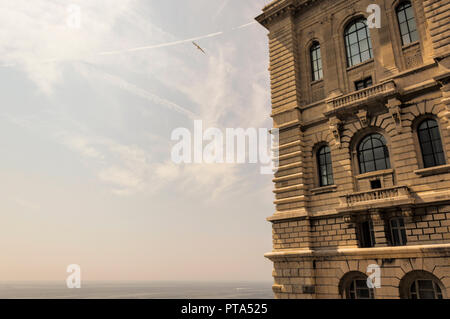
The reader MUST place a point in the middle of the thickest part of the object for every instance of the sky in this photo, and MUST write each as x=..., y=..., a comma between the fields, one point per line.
x=87, y=107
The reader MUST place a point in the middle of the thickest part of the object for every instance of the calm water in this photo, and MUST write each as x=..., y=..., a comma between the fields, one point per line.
x=138, y=290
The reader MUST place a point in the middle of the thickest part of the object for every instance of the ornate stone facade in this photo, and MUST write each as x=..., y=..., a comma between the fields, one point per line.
x=326, y=231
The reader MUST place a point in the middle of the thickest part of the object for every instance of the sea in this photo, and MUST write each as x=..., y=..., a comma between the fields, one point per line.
x=137, y=290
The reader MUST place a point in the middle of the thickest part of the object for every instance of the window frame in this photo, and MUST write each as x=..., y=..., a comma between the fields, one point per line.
x=364, y=82
x=363, y=242
x=436, y=290
x=348, y=287
x=314, y=61
x=401, y=232
x=400, y=8
x=421, y=142
x=359, y=152
x=329, y=174
x=348, y=45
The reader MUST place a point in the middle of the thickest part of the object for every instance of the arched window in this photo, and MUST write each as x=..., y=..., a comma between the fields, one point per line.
x=373, y=154
x=325, y=166
x=430, y=143
x=419, y=284
x=358, y=42
x=316, y=61
x=407, y=23
x=354, y=286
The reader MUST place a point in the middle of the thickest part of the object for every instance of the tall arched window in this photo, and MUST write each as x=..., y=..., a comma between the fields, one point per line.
x=373, y=154
x=316, y=61
x=325, y=166
x=430, y=143
x=407, y=22
x=358, y=42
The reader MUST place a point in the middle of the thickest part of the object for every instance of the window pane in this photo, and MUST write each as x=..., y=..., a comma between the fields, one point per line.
x=379, y=153
x=428, y=161
x=395, y=238
x=425, y=284
x=406, y=39
x=427, y=148
x=404, y=28
x=440, y=159
x=365, y=56
x=364, y=46
x=412, y=25
x=368, y=156
x=423, y=135
x=362, y=34
x=426, y=294
x=380, y=164
x=437, y=146
x=409, y=12
x=356, y=60
x=403, y=234
x=434, y=133
x=401, y=16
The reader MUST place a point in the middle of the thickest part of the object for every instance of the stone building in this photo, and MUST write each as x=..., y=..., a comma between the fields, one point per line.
x=364, y=154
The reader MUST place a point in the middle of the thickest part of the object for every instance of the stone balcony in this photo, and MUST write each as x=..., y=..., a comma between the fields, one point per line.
x=376, y=198
x=378, y=93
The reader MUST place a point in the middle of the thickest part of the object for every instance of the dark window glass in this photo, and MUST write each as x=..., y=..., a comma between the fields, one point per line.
x=366, y=234
x=358, y=42
x=398, y=232
x=325, y=166
x=425, y=289
x=375, y=184
x=358, y=289
x=373, y=154
x=316, y=62
x=359, y=85
x=407, y=23
x=430, y=144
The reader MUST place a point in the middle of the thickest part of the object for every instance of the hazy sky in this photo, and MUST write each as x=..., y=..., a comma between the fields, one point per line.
x=86, y=175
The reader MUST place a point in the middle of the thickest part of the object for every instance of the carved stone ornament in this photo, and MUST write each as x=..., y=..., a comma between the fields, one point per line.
x=363, y=117
x=394, y=109
x=336, y=129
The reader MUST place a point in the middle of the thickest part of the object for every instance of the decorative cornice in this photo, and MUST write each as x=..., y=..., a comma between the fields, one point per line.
x=280, y=8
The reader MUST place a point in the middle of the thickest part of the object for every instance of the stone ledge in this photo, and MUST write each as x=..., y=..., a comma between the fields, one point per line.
x=290, y=214
x=436, y=170
x=436, y=250
x=324, y=189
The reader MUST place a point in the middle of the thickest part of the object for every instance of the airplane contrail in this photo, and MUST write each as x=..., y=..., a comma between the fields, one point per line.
x=133, y=89
x=162, y=45
x=149, y=47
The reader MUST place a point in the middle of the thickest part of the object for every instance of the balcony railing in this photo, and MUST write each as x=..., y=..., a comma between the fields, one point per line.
x=383, y=197
x=375, y=92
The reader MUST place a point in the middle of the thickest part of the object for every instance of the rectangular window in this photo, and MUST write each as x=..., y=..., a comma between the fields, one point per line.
x=366, y=235
x=365, y=83
x=398, y=233
x=375, y=184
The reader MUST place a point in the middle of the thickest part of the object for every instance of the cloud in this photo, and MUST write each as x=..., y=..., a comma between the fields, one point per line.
x=222, y=87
